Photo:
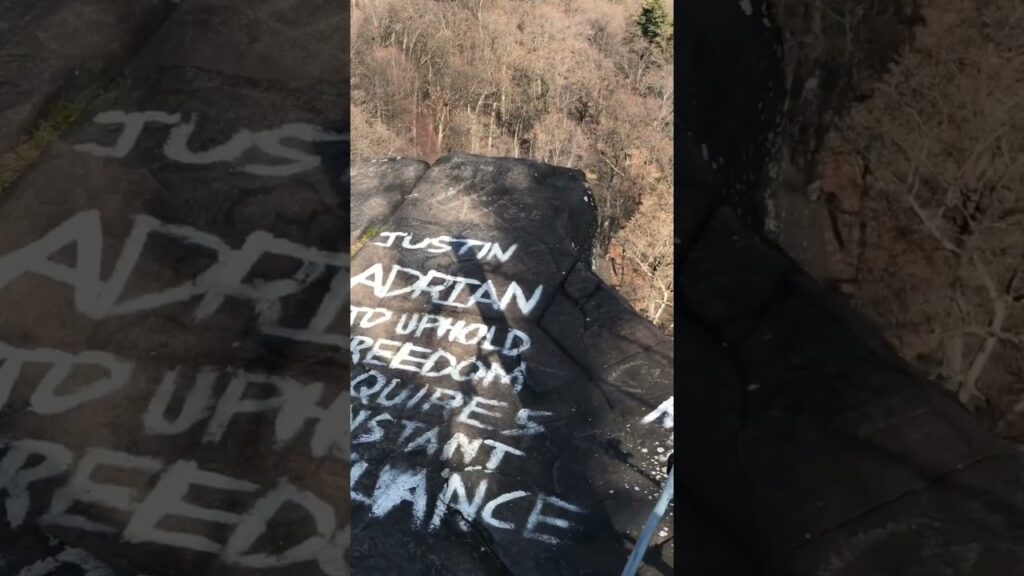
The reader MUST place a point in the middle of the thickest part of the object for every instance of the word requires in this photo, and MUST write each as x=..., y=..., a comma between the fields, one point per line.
x=293, y=403
x=27, y=462
x=460, y=331
x=374, y=390
x=441, y=244
x=447, y=291
x=176, y=147
x=433, y=363
x=224, y=278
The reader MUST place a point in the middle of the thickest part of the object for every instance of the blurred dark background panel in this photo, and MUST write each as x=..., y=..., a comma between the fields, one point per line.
x=173, y=267
x=836, y=420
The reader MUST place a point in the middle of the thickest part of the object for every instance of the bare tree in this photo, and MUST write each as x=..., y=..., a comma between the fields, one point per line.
x=553, y=80
x=943, y=139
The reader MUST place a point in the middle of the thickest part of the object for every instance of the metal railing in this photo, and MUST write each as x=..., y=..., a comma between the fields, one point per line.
x=655, y=518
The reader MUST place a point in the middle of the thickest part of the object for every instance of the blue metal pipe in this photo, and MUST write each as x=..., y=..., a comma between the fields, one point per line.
x=660, y=508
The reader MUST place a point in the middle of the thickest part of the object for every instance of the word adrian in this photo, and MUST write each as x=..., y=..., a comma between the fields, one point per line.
x=444, y=289
x=224, y=278
x=271, y=142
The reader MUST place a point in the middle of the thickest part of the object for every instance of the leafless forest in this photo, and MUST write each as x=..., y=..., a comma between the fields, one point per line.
x=917, y=189
x=579, y=83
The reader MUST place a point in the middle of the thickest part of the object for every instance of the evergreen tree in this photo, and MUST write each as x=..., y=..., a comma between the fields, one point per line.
x=653, y=22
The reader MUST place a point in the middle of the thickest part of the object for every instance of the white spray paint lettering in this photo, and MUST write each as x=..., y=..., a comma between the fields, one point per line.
x=225, y=278
x=295, y=404
x=438, y=245
x=68, y=557
x=27, y=462
x=406, y=356
x=443, y=424
x=444, y=289
x=271, y=142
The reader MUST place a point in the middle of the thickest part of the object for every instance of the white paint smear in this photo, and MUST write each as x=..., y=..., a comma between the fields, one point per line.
x=395, y=486
x=663, y=414
x=89, y=565
x=431, y=363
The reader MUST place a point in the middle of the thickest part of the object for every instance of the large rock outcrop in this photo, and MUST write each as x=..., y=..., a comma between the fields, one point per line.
x=510, y=413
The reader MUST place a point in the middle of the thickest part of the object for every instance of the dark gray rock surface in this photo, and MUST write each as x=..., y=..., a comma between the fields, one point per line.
x=378, y=188
x=61, y=49
x=566, y=464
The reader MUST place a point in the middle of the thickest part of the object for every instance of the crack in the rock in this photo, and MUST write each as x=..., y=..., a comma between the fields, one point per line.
x=691, y=243
x=482, y=537
x=243, y=81
x=643, y=350
x=925, y=487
